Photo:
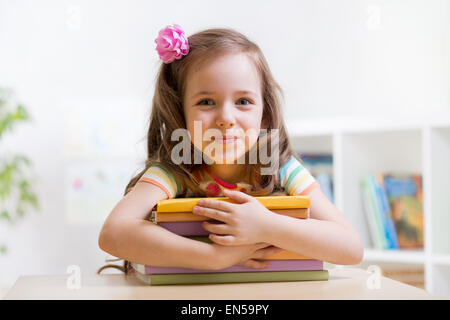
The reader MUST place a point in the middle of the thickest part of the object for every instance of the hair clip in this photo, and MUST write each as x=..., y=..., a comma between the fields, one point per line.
x=172, y=43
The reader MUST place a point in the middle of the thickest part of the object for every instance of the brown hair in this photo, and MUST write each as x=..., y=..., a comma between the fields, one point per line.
x=167, y=109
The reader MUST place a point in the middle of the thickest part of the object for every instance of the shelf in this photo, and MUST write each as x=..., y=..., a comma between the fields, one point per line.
x=401, y=256
x=441, y=259
x=405, y=256
x=370, y=123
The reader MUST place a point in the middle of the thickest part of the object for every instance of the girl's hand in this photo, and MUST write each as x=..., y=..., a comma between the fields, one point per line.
x=245, y=255
x=245, y=222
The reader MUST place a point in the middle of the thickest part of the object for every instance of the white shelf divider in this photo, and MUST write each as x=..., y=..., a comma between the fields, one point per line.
x=402, y=256
x=441, y=259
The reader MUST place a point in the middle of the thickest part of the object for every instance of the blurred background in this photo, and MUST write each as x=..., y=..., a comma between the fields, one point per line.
x=77, y=80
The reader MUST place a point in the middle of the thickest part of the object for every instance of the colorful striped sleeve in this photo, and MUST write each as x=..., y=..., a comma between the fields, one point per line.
x=296, y=179
x=158, y=175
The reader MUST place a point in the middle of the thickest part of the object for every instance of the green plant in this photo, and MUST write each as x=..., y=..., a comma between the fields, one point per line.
x=16, y=193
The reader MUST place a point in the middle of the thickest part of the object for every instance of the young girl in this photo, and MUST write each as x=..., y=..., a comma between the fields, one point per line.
x=219, y=80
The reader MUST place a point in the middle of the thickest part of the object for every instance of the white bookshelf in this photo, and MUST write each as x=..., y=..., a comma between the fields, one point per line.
x=363, y=145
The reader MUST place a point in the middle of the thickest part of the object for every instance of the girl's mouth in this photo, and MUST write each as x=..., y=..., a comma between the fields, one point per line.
x=225, y=140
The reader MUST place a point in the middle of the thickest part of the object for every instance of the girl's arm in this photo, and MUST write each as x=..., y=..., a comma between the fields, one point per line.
x=326, y=236
x=128, y=234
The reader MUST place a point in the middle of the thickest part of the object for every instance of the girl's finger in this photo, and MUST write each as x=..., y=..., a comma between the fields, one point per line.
x=211, y=213
x=238, y=196
x=227, y=240
x=218, y=228
x=216, y=204
x=265, y=252
x=255, y=264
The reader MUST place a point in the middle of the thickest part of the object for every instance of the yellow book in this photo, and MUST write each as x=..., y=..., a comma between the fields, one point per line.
x=302, y=213
x=270, y=202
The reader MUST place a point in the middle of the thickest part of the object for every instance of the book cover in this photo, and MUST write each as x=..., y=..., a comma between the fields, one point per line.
x=231, y=277
x=375, y=229
x=300, y=213
x=270, y=202
x=275, y=265
x=405, y=197
x=384, y=211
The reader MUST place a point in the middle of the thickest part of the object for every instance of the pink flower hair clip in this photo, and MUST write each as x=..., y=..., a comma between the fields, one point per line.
x=172, y=43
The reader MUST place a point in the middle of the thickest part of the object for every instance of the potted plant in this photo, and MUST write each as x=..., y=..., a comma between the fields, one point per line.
x=16, y=192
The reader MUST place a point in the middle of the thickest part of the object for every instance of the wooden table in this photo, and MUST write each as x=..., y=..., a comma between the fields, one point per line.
x=344, y=284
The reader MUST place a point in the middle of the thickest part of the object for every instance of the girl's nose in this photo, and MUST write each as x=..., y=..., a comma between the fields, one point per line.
x=225, y=118
x=225, y=124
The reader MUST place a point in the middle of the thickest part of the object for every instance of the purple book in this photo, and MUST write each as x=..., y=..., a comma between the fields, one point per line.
x=274, y=265
x=187, y=228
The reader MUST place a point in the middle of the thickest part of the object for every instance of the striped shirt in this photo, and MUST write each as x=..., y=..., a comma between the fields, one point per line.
x=158, y=175
x=294, y=178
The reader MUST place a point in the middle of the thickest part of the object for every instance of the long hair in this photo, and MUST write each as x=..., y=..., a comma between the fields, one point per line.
x=167, y=112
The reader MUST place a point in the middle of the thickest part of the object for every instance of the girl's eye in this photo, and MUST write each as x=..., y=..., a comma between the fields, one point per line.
x=244, y=101
x=206, y=102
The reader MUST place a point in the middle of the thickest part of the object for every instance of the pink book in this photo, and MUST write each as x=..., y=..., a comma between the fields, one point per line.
x=187, y=228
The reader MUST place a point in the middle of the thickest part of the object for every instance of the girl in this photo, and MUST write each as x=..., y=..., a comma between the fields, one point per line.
x=219, y=80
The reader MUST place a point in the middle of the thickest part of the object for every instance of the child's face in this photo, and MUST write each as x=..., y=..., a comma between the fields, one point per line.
x=224, y=94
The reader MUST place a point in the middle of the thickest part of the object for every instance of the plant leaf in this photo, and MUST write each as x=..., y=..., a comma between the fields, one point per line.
x=3, y=249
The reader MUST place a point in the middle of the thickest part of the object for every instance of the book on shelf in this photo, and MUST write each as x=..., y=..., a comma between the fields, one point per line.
x=384, y=211
x=393, y=210
x=231, y=277
x=405, y=197
x=376, y=230
x=320, y=165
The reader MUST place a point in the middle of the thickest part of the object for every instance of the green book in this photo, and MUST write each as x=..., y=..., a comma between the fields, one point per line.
x=232, y=277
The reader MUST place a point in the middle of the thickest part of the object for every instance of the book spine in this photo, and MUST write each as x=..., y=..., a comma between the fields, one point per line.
x=276, y=265
x=270, y=202
x=186, y=228
x=371, y=214
x=301, y=213
x=232, y=277
x=387, y=211
x=382, y=213
x=373, y=194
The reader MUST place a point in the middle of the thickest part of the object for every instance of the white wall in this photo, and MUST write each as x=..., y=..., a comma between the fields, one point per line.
x=94, y=61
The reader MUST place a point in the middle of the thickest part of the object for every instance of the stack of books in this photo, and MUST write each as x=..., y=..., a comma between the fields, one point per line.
x=176, y=216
